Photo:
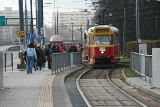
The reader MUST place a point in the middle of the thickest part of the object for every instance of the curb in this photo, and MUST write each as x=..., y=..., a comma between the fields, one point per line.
x=147, y=91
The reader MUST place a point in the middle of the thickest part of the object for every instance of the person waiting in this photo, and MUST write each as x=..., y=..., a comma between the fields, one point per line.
x=31, y=57
x=73, y=48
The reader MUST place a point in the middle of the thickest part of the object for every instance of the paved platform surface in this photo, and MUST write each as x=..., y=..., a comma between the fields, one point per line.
x=27, y=90
x=145, y=86
x=41, y=89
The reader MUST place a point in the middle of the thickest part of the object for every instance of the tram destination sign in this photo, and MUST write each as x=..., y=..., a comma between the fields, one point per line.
x=2, y=21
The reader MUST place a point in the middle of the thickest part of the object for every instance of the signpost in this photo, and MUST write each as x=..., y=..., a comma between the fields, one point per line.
x=30, y=36
x=2, y=21
x=42, y=36
x=20, y=33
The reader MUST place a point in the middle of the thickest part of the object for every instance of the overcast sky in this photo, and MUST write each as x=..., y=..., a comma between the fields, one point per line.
x=62, y=4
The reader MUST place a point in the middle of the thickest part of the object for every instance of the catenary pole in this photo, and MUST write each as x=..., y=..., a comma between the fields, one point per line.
x=31, y=23
x=21, y=27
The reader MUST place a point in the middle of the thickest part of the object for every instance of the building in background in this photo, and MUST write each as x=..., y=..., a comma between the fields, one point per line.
x=72, y=20
x=8, y=32
x=77, y=18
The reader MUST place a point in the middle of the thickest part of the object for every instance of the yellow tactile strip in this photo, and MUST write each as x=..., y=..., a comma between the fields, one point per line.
x=45, y=96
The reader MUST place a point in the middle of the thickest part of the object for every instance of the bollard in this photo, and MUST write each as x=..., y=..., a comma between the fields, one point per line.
x=12, y=60
x=5, y=61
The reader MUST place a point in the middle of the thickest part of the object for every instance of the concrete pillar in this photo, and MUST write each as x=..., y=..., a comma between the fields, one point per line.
x=143, y=49
x=156, y=67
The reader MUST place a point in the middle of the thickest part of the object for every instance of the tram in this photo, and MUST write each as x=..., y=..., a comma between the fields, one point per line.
x=101, y=44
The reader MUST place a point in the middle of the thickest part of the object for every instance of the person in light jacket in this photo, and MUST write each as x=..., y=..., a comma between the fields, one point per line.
x=31, y=57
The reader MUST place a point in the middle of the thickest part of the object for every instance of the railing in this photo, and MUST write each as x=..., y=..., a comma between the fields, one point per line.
x=63, y=61
x=142, y=64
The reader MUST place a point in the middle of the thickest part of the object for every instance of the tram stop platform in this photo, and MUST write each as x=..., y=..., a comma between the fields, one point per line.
x=144, y=86
x=41, y=89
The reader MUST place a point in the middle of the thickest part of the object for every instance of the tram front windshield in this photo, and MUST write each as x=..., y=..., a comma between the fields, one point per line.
x=102, y=39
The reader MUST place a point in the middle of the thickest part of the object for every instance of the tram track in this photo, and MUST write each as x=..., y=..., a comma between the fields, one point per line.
x=104, y=92
x=99, y=89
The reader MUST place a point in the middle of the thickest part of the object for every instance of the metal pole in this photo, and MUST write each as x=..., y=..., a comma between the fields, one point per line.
x=156, y=27
x=81, y=33
x=31, y=23
x=41, y=13
x=57, y=17
x=36, y=8
x=137, y=24
x=5, y=61
x=87, y=23
x=54, y=18
x=124, y=30
x=41, y=21
x=21, y=20
x=137, y=21
x=103, y=16
x=21, y=27
x=26, y=21
x=12, y=60
x=72, y=32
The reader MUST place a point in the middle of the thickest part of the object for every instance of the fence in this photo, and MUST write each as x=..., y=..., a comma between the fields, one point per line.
x=142, y=64
x=60, y=61
x=6, y=61
x=63, y=61
x=10, y=60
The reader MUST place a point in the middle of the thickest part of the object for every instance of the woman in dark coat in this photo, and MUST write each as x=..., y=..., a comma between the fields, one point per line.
x=41, y=59
x=47, y=53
